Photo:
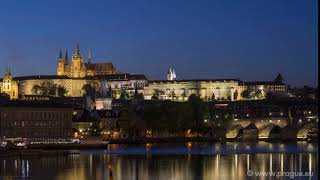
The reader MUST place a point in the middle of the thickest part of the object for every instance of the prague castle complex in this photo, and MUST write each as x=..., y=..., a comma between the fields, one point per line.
x=74, y=75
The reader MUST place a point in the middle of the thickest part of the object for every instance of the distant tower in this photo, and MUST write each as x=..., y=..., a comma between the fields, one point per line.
x=60, y=68
x=9, y=86
x=171, y=75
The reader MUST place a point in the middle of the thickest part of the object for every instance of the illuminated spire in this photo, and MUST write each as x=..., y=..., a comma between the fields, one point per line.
x=171, y=75
x=66, y=59
x=77, y=49
x=60, y=55
x=8, y=73
x=89, y=57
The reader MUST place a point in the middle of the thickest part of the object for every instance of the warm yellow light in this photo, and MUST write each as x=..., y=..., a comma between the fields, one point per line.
x=148, y=146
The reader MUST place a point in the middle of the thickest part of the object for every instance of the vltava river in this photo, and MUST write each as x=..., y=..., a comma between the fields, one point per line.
x=172, y=162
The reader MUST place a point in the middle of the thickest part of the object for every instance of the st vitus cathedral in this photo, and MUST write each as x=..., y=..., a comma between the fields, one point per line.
x=77, y=68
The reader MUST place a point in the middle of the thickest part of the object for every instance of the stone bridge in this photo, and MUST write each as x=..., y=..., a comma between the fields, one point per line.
x=272, y=128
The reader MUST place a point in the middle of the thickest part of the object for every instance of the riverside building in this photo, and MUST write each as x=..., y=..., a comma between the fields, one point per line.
x=35, y=120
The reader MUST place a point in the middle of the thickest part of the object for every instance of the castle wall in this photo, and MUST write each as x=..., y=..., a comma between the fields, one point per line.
x=73, y=86
x=181, y=90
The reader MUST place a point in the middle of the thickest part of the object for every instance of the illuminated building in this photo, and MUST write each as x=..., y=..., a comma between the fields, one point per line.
x=35, y=119
x=180, y=90
x=171, y=75
x=79, y=69
x=266, y=87
x=9, y=86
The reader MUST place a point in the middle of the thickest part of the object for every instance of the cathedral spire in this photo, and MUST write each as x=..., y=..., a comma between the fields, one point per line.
x=89, y=58
x=60, y=54
x=171, y=75
x=8, y=72
x=77, y=49
x=66, y=59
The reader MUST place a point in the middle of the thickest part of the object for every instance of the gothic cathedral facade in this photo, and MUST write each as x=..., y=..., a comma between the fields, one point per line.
x=77, y=68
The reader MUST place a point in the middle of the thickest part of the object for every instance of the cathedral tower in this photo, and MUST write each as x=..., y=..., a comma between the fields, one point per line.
x=60, y=69
x=171, y=75
x=77, y=66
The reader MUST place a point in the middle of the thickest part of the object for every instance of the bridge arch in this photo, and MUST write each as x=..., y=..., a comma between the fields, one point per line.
x=275, y=133
x=234, y=131
x=264, y=132
x=305, y=129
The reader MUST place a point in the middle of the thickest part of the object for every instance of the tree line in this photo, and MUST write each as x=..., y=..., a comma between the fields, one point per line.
x=173, y=117
x=49, y=88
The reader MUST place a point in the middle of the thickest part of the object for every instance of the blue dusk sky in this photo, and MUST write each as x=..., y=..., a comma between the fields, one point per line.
x=247, y=39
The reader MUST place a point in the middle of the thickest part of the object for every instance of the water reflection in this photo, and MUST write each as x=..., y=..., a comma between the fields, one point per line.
x=99, y=165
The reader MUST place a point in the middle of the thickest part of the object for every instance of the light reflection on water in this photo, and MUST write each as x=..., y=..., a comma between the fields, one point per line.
x=176, y=162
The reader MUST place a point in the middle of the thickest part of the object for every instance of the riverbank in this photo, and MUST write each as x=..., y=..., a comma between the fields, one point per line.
x=4, y=152
x=51, y=150
x=98, y=143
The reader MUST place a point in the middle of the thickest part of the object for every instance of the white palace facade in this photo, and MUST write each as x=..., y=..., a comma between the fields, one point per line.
x=180, y=90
